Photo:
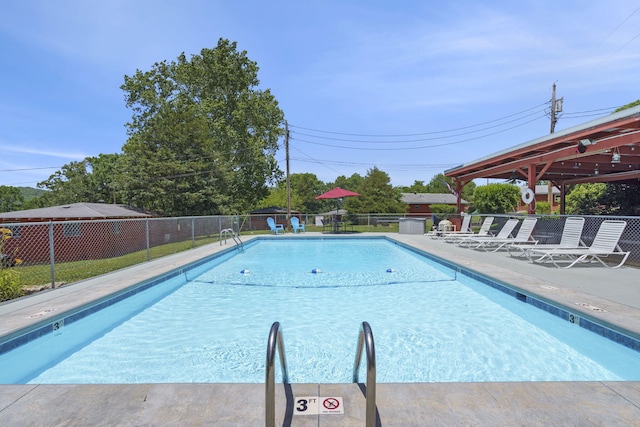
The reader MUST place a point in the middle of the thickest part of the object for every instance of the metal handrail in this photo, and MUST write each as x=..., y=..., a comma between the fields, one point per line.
x=233, y=234
x=275, y=338
x=365, y=338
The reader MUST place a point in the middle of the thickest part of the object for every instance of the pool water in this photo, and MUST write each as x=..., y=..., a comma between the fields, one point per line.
x=429, y=324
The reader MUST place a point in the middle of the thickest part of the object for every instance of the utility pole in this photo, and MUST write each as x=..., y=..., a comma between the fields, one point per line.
x=286, y=146
x=556, y=107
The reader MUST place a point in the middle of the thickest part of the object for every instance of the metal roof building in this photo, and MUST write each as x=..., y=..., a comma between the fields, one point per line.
x=74, y=211
x=602, y=150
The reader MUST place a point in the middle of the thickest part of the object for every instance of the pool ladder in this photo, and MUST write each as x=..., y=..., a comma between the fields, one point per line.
x=235, y=236
x=276, y=342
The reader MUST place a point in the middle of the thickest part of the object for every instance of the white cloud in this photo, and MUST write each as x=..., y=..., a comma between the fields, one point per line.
x=7, y=149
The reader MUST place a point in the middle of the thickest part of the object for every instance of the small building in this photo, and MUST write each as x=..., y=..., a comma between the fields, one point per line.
x=80, y=231
x=72, y=212
x=419, y=204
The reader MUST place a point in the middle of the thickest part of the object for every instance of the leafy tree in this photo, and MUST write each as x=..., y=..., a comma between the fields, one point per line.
x=203, y=137
x=622, y=199
x=437, y=185
x=306, y=186
x=10, y=199
x=377, y=195
x=30, y=193
x=468, y=190
x=585, y=199
x=70, y=184
x=416, y=187
x=351, y=183
x=496, y=198
x=93, y=179
x=543, y=208
x=278, y=197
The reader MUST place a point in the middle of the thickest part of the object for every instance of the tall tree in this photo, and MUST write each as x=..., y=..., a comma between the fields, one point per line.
x=377, y=195
x=11, y=198
x=622, y=199
x=306, y=186
x=203, y=137
x=93, y=179
x=416, y=187
x=586, y=199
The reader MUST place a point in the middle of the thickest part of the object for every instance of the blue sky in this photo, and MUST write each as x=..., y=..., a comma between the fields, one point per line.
x=412, y=87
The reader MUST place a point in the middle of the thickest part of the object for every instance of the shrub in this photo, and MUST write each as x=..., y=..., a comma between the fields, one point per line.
x=9, y=284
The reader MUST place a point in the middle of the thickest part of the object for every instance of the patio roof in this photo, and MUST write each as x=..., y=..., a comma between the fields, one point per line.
x=602, y=150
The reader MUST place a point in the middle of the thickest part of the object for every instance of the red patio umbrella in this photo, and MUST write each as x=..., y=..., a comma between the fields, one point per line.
x=337, y=193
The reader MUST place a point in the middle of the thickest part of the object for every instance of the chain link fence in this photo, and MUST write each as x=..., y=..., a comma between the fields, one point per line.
x=53, y=253
x=46, y=254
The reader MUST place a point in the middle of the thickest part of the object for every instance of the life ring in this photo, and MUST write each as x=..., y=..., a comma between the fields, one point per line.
x=528, y=196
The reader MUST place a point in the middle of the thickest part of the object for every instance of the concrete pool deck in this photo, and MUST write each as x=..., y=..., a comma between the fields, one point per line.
x=613, y=292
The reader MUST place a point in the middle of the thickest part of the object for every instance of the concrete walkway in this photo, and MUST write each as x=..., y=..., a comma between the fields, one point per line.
x=419, y=404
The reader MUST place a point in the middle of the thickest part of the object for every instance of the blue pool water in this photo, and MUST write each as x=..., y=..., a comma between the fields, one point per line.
x=210, y=324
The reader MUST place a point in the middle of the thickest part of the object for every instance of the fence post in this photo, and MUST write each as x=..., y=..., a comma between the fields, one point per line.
x=147, y=233
x=52, y=257
x=193, y=232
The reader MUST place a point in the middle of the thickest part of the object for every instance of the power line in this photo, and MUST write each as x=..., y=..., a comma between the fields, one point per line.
x=421, y=139
x=420, y=147
x=620, y=25
x=422, y=133
x=30, y=169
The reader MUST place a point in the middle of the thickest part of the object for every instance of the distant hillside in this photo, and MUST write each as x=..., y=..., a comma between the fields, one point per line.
x=30, y=193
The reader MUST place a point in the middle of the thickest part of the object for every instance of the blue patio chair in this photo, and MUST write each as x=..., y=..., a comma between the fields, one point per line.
x=275, y=228
x=296, y=225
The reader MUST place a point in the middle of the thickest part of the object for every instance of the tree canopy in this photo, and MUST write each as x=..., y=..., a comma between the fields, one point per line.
x=11, y=198
x=92, y=180
x=377, y=195
x=496, y=198
x=203, y=137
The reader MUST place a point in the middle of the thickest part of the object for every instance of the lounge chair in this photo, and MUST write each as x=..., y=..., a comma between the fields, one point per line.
x=484, y=231
x=465, y=228
x=495, y=244
x=604, y=244
x=570, y=239
x=296, y=225
x=275, y=228
x=504, y=232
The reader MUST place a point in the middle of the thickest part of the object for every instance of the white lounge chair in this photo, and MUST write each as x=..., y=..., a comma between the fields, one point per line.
x=570, y=239
x=465, y=228
x=497, y=243
x=504, y=232
x=604, y=245
x=483, y=231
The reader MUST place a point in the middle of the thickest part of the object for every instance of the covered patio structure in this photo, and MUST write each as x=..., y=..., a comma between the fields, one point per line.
x=602, y=150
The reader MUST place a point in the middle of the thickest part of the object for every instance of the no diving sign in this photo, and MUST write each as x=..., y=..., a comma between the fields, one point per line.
x=317, y=405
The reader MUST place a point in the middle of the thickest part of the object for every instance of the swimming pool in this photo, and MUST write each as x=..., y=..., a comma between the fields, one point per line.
x=209, y=324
